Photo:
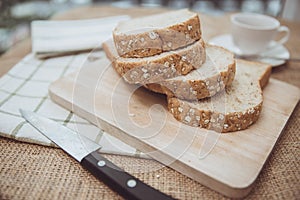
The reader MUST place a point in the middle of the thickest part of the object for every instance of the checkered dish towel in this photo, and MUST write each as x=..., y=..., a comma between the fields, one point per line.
x=26, y=86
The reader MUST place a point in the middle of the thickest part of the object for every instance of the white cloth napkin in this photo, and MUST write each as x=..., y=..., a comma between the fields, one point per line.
x=52, y=38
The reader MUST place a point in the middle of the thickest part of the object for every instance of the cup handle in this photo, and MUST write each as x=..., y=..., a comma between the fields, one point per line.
x=281, y=41
x=286, y=31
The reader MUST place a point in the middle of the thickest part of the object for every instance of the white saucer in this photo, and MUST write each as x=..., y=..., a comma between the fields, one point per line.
x=279, y=51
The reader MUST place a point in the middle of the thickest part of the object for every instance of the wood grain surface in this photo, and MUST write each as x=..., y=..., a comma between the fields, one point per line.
x=228, y=163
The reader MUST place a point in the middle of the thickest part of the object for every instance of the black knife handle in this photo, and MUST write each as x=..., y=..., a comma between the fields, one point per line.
x=118, y=180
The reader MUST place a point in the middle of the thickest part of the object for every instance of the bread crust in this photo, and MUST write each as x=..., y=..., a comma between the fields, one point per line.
x=155, y=41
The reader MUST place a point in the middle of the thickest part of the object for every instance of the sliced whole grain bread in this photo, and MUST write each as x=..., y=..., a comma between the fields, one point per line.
x=152, y=35
x=235, y=109
x=159, y=67
x=217, y=72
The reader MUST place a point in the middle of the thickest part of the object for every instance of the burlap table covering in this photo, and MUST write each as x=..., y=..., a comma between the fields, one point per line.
x=30, y=171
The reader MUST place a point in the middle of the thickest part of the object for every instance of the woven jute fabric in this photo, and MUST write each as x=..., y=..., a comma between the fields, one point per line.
x=37, y=172
x=30, y=171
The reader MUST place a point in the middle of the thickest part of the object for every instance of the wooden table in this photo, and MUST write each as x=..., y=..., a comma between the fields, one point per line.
x=32, y=171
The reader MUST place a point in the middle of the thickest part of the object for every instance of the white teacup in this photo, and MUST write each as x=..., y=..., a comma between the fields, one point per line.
x=254, y=33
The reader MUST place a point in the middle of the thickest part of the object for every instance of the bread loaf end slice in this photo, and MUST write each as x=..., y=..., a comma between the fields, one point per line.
x=238, y=107
x=152, y=35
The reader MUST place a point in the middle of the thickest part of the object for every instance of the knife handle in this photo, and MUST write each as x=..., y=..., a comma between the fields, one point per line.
x=118, y=180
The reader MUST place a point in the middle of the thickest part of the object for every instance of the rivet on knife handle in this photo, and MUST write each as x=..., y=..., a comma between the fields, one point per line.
x=118, y=180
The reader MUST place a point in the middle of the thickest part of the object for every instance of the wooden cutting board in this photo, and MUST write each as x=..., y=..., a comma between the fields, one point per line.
x=228, y=163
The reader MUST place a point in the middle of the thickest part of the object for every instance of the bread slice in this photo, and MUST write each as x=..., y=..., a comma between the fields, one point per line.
x=234, y=109
x=159, y=67
x=152, y=35
x=217, y=72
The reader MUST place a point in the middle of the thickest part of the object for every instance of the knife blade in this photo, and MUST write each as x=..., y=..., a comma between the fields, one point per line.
x=86, y=152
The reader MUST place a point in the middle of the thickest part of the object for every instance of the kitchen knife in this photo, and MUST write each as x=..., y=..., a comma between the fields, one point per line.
x=85, y=152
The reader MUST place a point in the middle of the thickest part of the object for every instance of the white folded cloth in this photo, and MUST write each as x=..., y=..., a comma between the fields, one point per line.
x=52, y=38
